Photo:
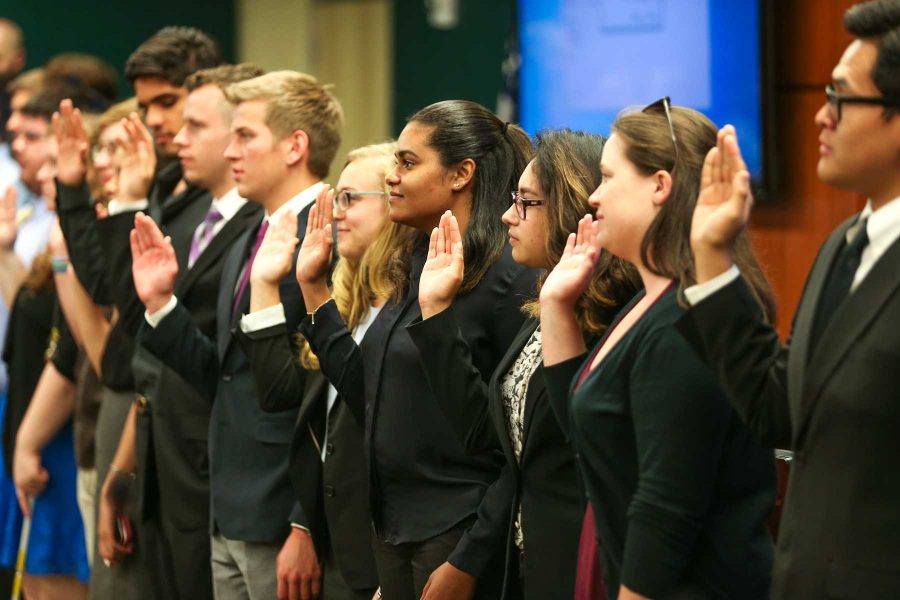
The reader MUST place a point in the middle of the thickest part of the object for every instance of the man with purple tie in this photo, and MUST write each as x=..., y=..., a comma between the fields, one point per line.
x=285, y=132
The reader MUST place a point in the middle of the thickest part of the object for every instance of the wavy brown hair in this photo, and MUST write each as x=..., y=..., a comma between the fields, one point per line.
x=666, y=248
x=567, y=166
x=358, y=283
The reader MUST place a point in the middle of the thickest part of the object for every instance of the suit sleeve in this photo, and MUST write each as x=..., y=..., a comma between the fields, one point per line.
x=298, y=517
x=78, y=221
x=455, y=382
x=486, y=538
x=680, y=419
x=728, y=331
x=277, y=374
x=179, y=344
x=339, y=357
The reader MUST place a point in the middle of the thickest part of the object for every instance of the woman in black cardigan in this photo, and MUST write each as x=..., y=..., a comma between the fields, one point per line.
x=679, y=487
x=545, y=498
x=424, y=488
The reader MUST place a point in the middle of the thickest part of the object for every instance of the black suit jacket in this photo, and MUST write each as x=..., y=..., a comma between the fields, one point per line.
x=251, y=496
x=382, y=382
x=332, y=494
x=544, y=481
x=838, y=407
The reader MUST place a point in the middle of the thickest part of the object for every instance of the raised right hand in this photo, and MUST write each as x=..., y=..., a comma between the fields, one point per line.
x=72, y=144
x=315, y=251
x=275, y=256
x=572, y=274
x=723, y=206
x=9, y=229
x=137, y=161
x=154, y=266
x=443, y=271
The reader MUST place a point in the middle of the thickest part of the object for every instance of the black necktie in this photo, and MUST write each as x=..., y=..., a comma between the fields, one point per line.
x=837, y=287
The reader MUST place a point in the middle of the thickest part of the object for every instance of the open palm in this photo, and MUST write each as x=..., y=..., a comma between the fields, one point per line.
x=72, y=144
x=443, y=271
x=275, y=256
x=8, y=227
x=315, y=251
x=154, y=266
x=723, y=205
x=572, y=274
x=137, y=161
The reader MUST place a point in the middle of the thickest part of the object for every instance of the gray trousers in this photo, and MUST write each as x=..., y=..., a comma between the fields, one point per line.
x=244, y=570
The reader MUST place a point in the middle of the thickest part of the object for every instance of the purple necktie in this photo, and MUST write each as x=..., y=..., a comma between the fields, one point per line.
x=203, y=235
x=246, y=278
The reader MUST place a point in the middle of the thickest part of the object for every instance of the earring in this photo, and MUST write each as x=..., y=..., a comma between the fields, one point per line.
x=456, y=186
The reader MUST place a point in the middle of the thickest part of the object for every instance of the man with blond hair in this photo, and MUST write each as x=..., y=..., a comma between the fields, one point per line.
x=285, y=133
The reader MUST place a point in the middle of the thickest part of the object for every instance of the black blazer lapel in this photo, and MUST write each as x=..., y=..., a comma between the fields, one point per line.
x=220, y=244
x=850, y=320
x=497, y=408
x=798, y=357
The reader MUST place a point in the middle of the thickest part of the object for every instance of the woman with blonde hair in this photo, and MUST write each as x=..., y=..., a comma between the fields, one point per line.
x=327, y=467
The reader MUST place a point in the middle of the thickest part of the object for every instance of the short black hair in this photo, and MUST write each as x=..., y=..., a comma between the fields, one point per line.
x=173, y=53
x=46, y=101
x=879, y=20
x=77, y=69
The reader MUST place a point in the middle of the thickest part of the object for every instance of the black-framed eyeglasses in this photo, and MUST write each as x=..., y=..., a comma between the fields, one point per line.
x=836, y=101
x=664, y=107
x=523, y=203
x=343, y=199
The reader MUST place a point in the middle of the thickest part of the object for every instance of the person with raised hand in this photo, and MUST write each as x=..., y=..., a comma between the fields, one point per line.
x=327, y=463
x=451, y=155
x=679, y=487
x=833, y=385
x=511, y=411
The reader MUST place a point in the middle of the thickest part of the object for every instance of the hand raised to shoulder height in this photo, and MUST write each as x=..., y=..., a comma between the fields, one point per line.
x=723, y=206
x=314, y=258
x=275, y=256
x=154, y=266
x=72, y=144
x=571, y=276
x=137, y=161
x=444, y=269
x=9, y=228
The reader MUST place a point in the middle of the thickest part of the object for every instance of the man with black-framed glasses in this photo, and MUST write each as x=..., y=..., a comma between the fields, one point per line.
x=831, y=395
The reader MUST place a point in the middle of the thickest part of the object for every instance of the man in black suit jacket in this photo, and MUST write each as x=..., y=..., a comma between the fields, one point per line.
x=831, y=395
x=165, y=437
x=285, y=134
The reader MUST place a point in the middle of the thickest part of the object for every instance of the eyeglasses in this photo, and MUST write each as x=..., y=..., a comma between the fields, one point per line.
x=522, y=203
x=836, y=100
x=343, y=199
x=664, y=106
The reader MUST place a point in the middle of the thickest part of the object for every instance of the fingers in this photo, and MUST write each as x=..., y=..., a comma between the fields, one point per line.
x=441, y=238
x=9, y=198
x=24, y=503
x=433, y=242
x=282, y=588
x=570, y=246
x=741, y=194
x=706, y=174
x=733, y=157
x=327, y=207
x=315, y=584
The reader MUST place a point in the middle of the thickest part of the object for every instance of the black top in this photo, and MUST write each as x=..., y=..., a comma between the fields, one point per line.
x=679, y=486
x=416, y=462
x=36, y=328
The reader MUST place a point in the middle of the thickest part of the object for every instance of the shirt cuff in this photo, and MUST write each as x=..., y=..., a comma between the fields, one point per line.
x=697, y=293
x=262, y=319
x=154, y=319
x=117, y=207
x=299, y=526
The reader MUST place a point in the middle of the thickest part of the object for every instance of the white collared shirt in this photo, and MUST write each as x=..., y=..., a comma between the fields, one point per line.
x=883, y=229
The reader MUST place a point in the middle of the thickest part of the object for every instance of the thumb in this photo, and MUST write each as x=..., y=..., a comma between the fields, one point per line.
x=42, y=475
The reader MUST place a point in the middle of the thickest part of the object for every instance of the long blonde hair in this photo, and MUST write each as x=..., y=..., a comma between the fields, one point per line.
x=358, y=283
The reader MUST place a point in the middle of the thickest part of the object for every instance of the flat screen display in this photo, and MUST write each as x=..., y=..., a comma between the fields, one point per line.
x=584, y=61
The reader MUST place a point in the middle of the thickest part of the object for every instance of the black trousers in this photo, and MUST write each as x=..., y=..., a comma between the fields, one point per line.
x=403, y=569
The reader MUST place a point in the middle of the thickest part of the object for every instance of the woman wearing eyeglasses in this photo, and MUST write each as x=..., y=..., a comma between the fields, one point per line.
x=326, y=465
x=425, y=489
x=545, y=502
x=679, y=486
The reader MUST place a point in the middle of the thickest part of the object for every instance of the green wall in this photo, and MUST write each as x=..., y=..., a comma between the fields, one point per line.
x=462, y=63
x=112, y=30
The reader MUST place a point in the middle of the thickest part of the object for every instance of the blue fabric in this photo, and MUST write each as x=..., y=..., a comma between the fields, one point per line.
x=56, y=543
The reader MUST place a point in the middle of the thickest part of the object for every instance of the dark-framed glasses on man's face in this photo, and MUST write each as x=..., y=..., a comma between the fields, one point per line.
x=343, y=199
x=522, y=203
x=663, y=106
x=837, y=100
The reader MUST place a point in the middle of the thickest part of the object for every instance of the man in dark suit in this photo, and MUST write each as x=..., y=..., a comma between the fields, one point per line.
x=285, y=134
x=831, y=395
x=165, y=437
